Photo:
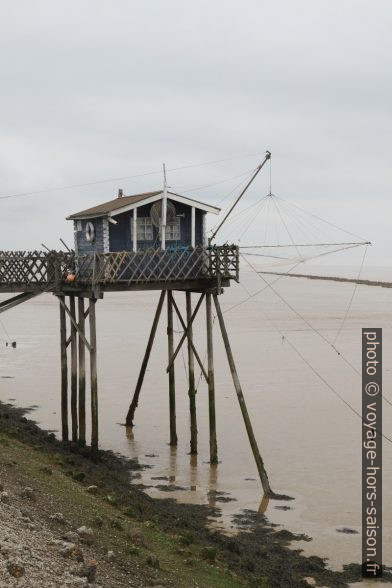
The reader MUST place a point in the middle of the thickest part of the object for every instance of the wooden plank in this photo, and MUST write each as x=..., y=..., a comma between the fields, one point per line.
x=74, y=371
x=185, y=334
x=75, y=324
x=131, y=411
x=93, y=376
x=248, y=425
x=82, y=373
x=85, y=315
x=190, y=340
x=211, y=383
x=64, y=374
x=172, y=384
x=15, y=300
x=191, y=375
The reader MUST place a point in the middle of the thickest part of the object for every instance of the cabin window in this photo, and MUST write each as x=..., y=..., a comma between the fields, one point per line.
x=144, y=228
x=173, y=230
x=79, y=225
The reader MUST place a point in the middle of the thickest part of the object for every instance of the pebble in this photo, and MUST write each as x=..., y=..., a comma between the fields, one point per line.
x=110, y=556
x=15, y=567
x=153, y=561
x=71, y=537
x=58, y=517
x=28, y=493
x=86, y=535
x=88, y=570
x=4, y=497
x=136, y=536
x=92, y=489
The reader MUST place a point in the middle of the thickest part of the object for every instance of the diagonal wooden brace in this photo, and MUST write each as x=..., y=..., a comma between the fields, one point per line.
x=186, y=333
x=85, y=316
x=75, y=324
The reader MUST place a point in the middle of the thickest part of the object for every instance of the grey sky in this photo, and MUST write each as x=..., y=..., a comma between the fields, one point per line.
x=98, y=89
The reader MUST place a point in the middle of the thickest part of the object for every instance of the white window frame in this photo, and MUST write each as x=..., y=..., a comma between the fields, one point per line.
x=173, y=230
x=143, y=223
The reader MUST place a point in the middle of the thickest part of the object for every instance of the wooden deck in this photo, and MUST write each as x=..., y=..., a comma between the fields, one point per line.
x=152, y=269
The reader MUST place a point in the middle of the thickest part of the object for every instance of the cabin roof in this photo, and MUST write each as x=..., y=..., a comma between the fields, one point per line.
x=124, y=203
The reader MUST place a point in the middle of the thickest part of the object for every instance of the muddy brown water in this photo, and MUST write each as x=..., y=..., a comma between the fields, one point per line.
x=310, y=441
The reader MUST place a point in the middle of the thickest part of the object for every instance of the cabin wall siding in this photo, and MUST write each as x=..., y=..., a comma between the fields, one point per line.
x=84, y=247
x=120, y=234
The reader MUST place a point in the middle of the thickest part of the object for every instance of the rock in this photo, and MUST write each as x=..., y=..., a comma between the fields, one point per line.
x=59, y=518
x=208, y=553
x=88, y=570
x=71, y=537
x=92, y=489
x=86, y=535
x=28, y=493
x=15, y=567
x=72, y=550
x=4, y=497
x=79, y=477
x=136, y=536
x=110, y=556
x=153, y=561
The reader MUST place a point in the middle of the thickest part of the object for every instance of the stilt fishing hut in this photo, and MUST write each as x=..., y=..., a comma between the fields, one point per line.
x=151, y=241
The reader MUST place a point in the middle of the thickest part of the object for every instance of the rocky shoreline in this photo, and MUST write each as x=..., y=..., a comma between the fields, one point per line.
x=69, y=518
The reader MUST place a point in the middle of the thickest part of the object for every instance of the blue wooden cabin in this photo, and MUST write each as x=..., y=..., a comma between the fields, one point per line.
x=135, y=223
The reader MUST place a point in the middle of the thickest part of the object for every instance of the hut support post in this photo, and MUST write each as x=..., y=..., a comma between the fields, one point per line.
x=82, y=374
x=172, y=382
x=74, y=371
x=249, y=429
x=135, y=399
x=191, y=366
x=211, y=383
x=64, y=372
x=93, y=376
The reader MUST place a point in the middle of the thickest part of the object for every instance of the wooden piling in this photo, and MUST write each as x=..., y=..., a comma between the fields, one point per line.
x=64, y=372
x=74, y=372
x=211, y=383
x=93, y=375
x=172, y=383
x=249, y=429
x=82, y=374
x=131, y=411
x=191, y=371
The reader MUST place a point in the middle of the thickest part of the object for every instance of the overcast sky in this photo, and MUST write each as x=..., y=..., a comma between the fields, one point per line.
x=94, y=89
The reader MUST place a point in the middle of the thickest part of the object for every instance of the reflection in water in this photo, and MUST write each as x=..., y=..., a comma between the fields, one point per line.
x=173, y=464
x=264, y=504
x=212, y=482
x=193, y=471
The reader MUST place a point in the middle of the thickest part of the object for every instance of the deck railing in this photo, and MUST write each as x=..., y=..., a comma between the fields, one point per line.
x=47, y=270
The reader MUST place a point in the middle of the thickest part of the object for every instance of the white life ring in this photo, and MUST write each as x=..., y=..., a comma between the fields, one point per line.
x=90, y=232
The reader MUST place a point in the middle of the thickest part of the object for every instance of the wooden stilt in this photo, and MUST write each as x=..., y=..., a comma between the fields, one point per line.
x=172, y=382
x=191, y=367
x=82, y=374
x=135, y=399
x=253, y=443
x=93, y=376
x=211, y=383
x=64, y=374
x=74, y=372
